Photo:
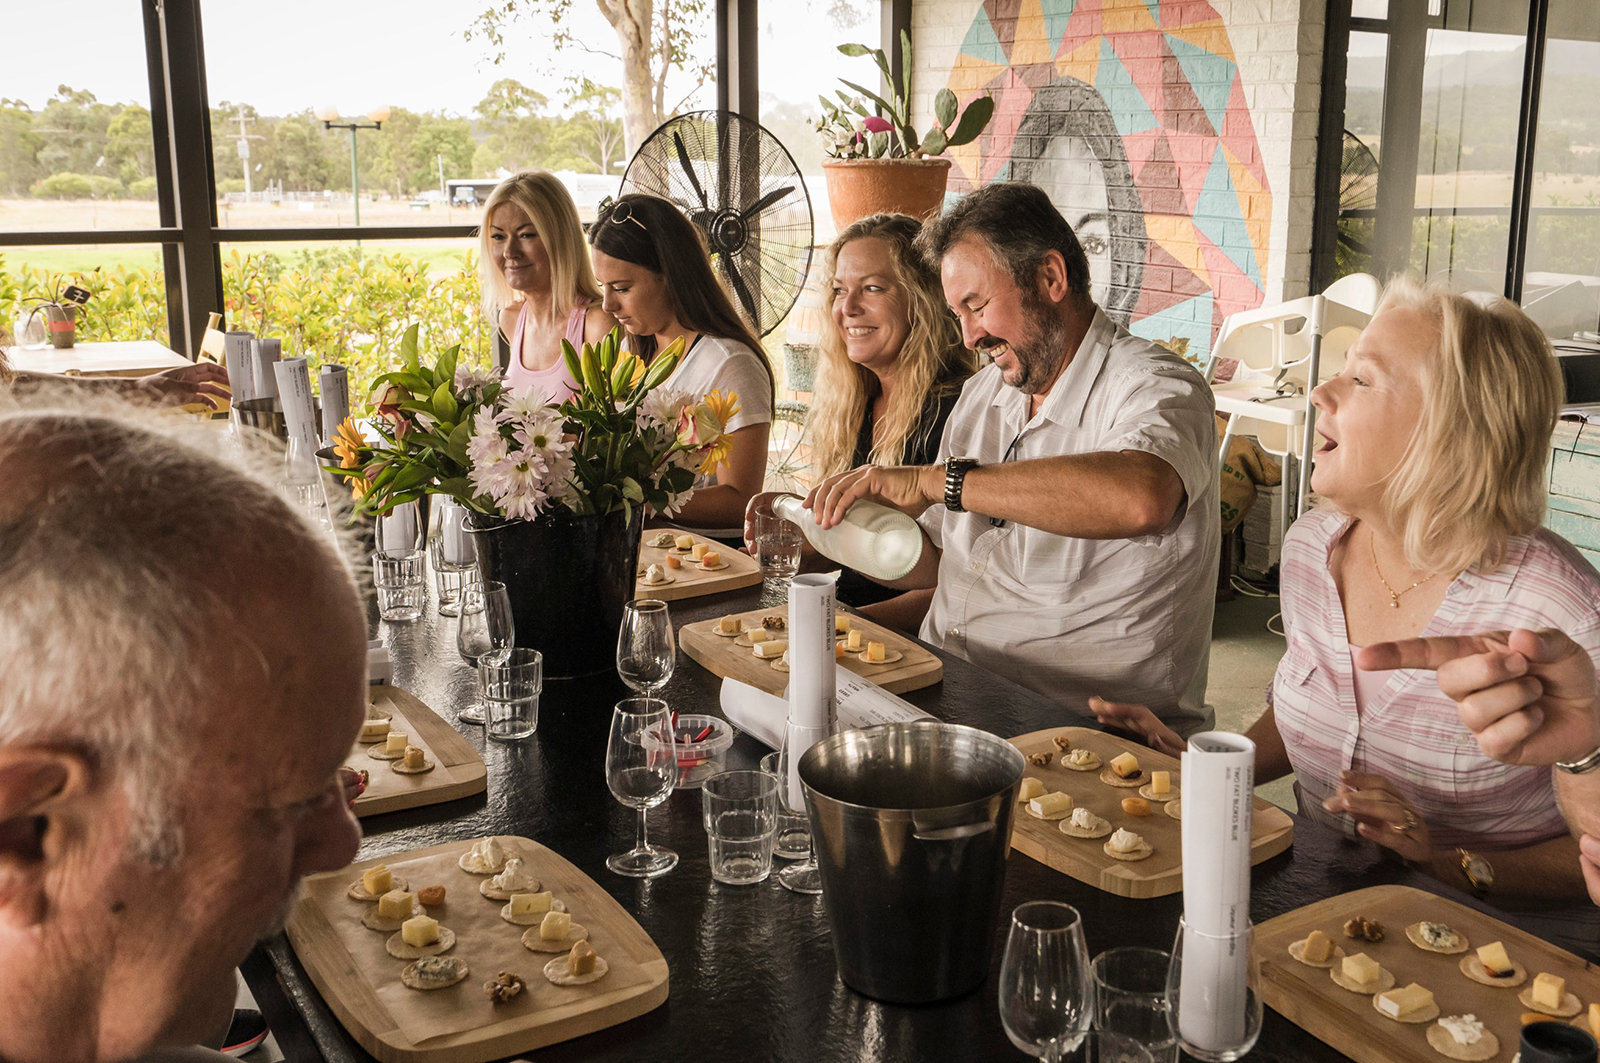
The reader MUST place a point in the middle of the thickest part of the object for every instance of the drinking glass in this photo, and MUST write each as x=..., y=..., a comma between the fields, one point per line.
x=641, y=769
x=777, y=545
x=1130, y=998
x=301, y=484
x=646, y=651
x=1219, y=976
x=454, y=555
x=804, y=876
x=486, y=626
x=510, y=681
x=741, y=815
x=793, y=838
x=400, y=531
x=399, y=584
x=1046, y=990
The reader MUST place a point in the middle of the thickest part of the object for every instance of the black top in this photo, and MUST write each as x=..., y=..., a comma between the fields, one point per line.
x=921, y=449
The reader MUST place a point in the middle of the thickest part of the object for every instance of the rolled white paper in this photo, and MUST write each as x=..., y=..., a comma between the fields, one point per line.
x=1218, y=789
x=862, y=703
x=456, y=543
x=399, y=530
x=800, y=739
x=294, y=392
x=241, y=365
x=335, y=386
x=264, y=354
x=813, y=700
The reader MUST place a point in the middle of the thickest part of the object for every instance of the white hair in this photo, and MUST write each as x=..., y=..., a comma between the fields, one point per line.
x=121, y=617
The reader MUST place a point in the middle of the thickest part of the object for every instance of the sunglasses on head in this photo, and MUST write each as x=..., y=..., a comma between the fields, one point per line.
x=617, y=213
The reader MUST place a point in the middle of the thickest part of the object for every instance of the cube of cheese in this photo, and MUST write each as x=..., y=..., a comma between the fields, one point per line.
x=758, y=635
x=554, y=926
x=581, y=959
x=396, y=904
x=420, y=930
x=396, y=743
x=1318, y=947
x=530, y=903
x=841, y=624
x=770, y=649
x=1030, y=789
x=711, y=559
x=698, y=551
x=1494, y=959
x=684, y=542
x=875, y=651
x=1593, y=1020
x=1361, y=969
x=377, y=880
x=730, y=625
x=1161, y=782
x=1399, y=1003
x=415, y=757
x=1549, y=990
x=374, y=730
x=1051, y=806
x=838, y=651
x=852, y=641
x=1126, y=766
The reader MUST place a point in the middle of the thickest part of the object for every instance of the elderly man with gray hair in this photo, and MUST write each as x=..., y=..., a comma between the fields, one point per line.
x=184, y=672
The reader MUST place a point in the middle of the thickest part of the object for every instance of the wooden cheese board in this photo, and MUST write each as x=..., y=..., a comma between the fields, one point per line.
x=915, y=668
x=690, y=580
x=1085, y=859
x=458, y=771
x=1347, y=1021
x=361, y=982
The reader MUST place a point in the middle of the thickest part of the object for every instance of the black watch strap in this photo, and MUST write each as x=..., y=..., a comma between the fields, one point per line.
x=955, y=473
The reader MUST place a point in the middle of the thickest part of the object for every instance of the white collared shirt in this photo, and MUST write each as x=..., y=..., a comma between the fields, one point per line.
x=1125, y=619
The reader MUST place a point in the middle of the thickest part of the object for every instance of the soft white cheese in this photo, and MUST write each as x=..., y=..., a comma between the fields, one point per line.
x=1125, y=841
x=1086, y=820
x=1465, y=1029
x=486, y=855
x=512, y=878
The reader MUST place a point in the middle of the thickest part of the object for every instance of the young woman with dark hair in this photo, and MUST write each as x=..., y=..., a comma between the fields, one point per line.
x=656, y=280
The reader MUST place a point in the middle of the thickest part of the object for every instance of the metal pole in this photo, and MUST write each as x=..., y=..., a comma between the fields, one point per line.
x=355, y=180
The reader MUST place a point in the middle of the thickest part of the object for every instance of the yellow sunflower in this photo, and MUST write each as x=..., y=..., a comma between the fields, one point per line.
x=718, y=409
x=347, y=446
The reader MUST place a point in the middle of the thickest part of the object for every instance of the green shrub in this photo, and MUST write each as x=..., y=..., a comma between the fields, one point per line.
x=143, y=188
x=231, y=184
x=77, y=186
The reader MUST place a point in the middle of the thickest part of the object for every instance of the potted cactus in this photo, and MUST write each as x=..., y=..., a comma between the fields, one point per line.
x=877, y=162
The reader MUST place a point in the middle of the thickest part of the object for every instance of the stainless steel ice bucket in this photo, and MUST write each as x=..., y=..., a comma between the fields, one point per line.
x=912, y=823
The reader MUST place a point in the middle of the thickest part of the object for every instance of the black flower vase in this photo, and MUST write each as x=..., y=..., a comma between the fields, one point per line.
x=568, y=578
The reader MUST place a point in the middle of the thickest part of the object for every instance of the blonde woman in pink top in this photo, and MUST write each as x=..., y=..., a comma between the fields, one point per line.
x=538, y=284
x=1437, y=435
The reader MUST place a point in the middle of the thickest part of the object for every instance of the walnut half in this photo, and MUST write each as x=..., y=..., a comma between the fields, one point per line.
x=503, y=988
x=774, y=623
x=1062, y=742
x=1363, y=928
x=1040, y=759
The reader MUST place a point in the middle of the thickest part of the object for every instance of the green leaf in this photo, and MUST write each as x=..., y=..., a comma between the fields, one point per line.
x=446, y=371
x=879, y=144
x=944, y=108
x=934, y=142
x=408, y=348
x=631, y=489
x=412, y=477
x=855, y=51
x=445, y=406
x=873, y=96
x=973, y=120
x=905, y=64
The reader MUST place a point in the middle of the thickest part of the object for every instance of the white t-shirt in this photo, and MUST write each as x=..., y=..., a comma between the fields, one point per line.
x=713, y=364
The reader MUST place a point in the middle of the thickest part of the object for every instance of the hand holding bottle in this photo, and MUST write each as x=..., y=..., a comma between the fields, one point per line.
x=907, y=488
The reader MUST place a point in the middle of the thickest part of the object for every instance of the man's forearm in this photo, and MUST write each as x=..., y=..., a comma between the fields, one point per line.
x=1111, y=495
x=1579, y=796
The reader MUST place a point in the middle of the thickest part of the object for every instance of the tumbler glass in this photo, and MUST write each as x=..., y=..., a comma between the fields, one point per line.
x=398, y=580
x=1130, y=998
x=511, y=681
x=741, y=815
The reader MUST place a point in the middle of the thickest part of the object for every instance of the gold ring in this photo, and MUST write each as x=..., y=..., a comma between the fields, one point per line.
x=1408, y=826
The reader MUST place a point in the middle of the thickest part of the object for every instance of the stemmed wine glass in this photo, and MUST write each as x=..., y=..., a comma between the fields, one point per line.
x=641, y=769
x=646, y=651
x=1046, y=992
x=486, y=627
x=802, y=876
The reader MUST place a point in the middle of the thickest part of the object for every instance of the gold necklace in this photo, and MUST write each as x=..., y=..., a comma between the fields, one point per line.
x=1394, y=595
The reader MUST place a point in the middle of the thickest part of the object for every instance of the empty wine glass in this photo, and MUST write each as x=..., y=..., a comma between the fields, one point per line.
x=646, y=651
x=1046, y=992
x=486, y=627
x=641, y=769
x=803, y=876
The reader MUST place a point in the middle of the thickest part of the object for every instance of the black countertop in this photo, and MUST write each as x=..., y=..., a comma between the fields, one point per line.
x=752, y=967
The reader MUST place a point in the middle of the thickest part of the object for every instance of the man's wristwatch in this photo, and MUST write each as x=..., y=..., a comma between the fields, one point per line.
x=1479, y=872
x=1581, y=766
x=955, y=472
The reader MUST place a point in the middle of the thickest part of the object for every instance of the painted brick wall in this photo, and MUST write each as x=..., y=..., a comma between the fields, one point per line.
x=1179, y=137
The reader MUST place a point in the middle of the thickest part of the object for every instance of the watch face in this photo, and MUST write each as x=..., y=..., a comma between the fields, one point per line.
x=1480, y=871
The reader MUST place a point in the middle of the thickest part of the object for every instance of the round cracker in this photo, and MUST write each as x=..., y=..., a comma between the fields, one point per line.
x=473, y=870
x=780, y=665
x=1473, y=968
x=575, y=933
x=387, y=721
x=1174, y=809
x=1427, y=1014
x=377, y=753
x=655, y=542
x=427, y=766
x=666, y=578
x=1052, y=817
x=372, y=921
x=1297, y=949
x=1078, y=832
x=401, y=950
x=495, y=893
x=1414, y=935
x=1385, y=981
x=1486, y=1047
x=1093, y=765
x=1137, y=854
x=889, y=657
x=1570, y=1005
x=556, y=905
x=358, y=892
x=1111, y=778
x=736, y=636
x=559, y=971
x=408, y=976
x=1146, y=793
x=713, y=568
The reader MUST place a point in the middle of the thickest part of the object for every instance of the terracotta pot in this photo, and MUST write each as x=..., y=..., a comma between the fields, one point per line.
x=61, y=320
x=858, y=188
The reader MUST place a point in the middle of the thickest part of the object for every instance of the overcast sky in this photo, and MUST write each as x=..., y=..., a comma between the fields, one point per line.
x=288, y=55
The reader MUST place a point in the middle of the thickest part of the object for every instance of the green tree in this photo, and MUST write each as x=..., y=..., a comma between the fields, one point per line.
x=19, y=148
x=516, y=132
x=386, y=156
x=130, y=144
x=591, y=137
x=446, y=138
x=303, y=160
x=73, y=125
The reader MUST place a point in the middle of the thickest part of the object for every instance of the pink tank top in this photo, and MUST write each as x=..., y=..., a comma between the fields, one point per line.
x=555, y=382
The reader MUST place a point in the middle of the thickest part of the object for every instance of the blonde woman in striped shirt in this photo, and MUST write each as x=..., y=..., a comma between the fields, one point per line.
x=1436, y=435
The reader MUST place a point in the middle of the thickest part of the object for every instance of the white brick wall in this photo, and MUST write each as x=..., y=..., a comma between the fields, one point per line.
x=1277, y=45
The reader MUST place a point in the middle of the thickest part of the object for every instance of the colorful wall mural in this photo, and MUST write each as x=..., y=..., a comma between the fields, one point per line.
x=1132, y=115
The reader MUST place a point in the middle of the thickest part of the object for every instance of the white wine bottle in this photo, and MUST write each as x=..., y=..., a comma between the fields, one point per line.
x=875, y=540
